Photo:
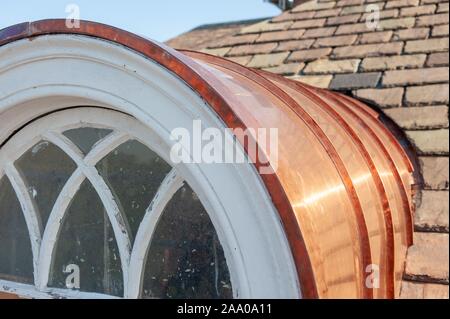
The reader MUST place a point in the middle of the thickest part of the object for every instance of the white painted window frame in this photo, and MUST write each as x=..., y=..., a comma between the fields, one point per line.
x=50, y=129
x=248, y=226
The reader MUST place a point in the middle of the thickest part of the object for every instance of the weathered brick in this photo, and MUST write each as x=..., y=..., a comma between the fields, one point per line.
x=381, y=97
x=266, y=26
x=395, y=24
x=352, y=18
x=243, y=60
x=434, y=19
x=419, y=290
x=411, y=34
x=429, y=94
x=237, y=40
x=417, y=11
x=401, y=3
x=428, y=258
x=328, y=13
x=305, y=24
x=295, y=45
x=432, y=214
x=440, y=31
x=432, y=1
x=442, y=7
x=416, y=76
x=438, y=59
x=393, y=62
x=309, y=55
x=375, y=37
x=280, y=36
x=321, y=81
x=268, y=60
x=353, y=9
x=384, y=14
x=319, y=32
x=289, y=16
x=435, y=171
x=287, y=69
x=345, y=3
x=413, y=118
x=427, y=46
x=323, y=66
x=355, y=81
x=335, y=41
x=367, y=50
x=313, y=6
x=252, y=49
x=353, y=28
x=431, y=142
x=217, y=52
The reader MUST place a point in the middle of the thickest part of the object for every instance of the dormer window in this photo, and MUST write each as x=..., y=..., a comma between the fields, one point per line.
x=92, y=205
x=92, y=193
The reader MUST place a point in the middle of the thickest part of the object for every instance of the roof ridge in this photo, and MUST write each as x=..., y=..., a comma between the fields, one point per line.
x=230, y=23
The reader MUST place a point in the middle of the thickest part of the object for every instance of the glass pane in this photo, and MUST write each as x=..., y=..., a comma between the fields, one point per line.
x=16, y=257
x=87, y=241
x=186, y=259
x=86, y=137
x=134, y=174
x=45, y=169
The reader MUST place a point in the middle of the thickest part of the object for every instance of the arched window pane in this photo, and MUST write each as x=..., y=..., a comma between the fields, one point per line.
x=86, y=137
x=134, y=174
x=45, y=169
x=16, y=257
x=87, y=241
x=186, y=259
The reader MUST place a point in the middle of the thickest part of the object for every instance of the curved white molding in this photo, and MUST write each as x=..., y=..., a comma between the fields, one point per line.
x=171, y=184
x=247, y=224
x=32, y=218
x=115, y=216
x=53, y=226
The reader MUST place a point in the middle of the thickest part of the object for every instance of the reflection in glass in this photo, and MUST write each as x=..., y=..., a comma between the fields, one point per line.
x=16, y=258
x=134, y=174
x=45, y=169
x=185, y=258
x=86, y=137
x=87, y=240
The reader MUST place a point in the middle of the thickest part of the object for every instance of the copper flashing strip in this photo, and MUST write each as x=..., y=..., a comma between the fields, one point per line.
x=409, y=216
x=387, y=214
x=365, y=109
x=321, y=136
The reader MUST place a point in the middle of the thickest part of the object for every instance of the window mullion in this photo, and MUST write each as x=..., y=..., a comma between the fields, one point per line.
x=32, y=218
x=115, y=216
x=66, y=146
x=171, y=184
x=54, y=224
x=105, y=146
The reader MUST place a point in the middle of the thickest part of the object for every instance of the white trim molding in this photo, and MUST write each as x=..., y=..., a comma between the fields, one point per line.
x=56, y=82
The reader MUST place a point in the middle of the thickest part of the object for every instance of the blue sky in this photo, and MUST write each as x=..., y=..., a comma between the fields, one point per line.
x=156, y=19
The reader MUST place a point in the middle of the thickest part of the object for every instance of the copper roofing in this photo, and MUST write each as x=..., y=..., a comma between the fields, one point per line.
x=343, y=183
x=400, y=66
